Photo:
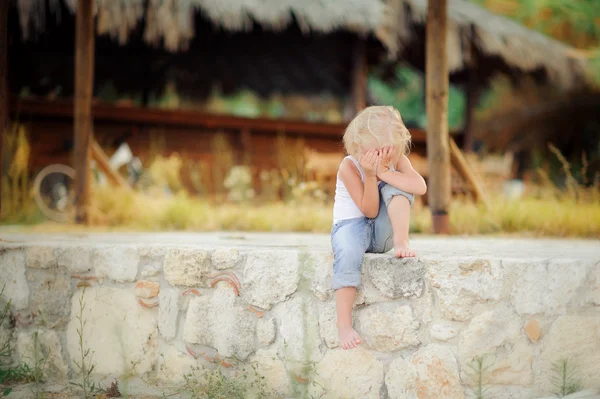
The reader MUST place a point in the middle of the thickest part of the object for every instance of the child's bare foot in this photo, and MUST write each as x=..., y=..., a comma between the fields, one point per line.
x=348, y=337
x=402, y=250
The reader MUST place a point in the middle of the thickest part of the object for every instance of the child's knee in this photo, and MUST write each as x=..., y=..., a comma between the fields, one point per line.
x=390, y=192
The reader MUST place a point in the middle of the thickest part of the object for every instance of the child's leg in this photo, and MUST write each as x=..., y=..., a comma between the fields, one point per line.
x=349, y=241
x=399, y=211
x=398, y=208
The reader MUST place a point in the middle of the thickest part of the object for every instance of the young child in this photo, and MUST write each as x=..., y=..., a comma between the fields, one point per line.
x=375, y=188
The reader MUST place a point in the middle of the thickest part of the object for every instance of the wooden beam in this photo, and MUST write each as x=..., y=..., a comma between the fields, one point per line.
x=460, y=164
x=103, y=162
x=43, y=109
x=438, y=148
x=4, y=90
x=359, y=77
x=84, y=83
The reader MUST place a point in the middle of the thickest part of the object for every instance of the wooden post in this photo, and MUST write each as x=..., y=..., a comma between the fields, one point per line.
x=359, y=77
x=438, y=148
x=84, y=83
x=4, y=91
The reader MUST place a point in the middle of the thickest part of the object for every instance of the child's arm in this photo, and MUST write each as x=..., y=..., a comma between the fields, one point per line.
x=405, y=178
x=365, y=195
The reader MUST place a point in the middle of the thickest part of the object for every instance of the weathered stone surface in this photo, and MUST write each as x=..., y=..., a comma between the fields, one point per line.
x=401, y=380
x=13, y=278
x=152, y=257
x=547, y=288
x=39, y=257
x=168, y=313
x=221, y=322
x=174, y=364
x=593, y=393
x=508, y=392
x=367, y=292
x=187, y=267
x=273, y=369
x=461, y=284
x=50, y=296
x=42, y=347
x=431, y=372
x=396, y=278
x=317, y=270
x=327, y=326
x=226, y=258
x=299, y=330
x=497, y=337
x=576, y=337
x=118, y=331
x=443, y=331
x=265, y=330
x=117, y=263
x=269, y=277
x=387, y=327
x=533, y=330
x=348, y=374
x=150, y=271
x=147, y=289
x=75, y=259
x=592, y=295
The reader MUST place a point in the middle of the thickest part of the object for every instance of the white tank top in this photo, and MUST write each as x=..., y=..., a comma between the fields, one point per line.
x=343, y=206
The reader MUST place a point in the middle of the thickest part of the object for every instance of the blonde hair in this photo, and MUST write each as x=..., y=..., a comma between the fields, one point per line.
x=376, y=127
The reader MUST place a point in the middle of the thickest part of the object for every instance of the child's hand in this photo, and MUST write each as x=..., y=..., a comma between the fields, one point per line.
x=368, y=161
x=385, y=159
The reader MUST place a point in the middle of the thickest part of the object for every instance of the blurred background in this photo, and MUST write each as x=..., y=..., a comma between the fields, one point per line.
x=228, y=115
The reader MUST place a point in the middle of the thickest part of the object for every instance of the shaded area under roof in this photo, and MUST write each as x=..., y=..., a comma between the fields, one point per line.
x=477, y=40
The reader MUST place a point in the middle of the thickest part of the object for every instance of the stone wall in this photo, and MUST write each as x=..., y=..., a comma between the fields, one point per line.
x=157, y=311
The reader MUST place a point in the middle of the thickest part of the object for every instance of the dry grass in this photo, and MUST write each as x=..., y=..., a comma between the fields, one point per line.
x=531, y=216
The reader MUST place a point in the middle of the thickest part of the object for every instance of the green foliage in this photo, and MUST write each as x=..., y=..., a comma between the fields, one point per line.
x=84, y=365
x=476, y=373
x=564, y=378
x=406, y=94
x=202, y=383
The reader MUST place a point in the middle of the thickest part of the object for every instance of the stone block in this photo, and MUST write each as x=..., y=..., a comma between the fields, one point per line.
x=174, y=364
x=546, y=288
x=40, y=257
x=396, y=278
x=388, y=327
x=50, y=296
x=168, y=313
x=431, y=372
x=13, y=277
x=273, y=370
x=317, y=271
x=226, y=258
x=270, y=277
x=75, y=259
x=299, y=330
x=42, y=347
x=498, y=337
x=222, y=322
x=461, y=284
x=187, y=267
x=119, y=263
x=348, y=374
x=266, y=330
x=574, y=337
x=118, y=331
x=443, y=331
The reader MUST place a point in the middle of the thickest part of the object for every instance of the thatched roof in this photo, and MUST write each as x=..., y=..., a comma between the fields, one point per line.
x=473, y=34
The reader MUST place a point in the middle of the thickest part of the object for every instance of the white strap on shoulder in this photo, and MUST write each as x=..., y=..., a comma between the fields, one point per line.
x=362, y=175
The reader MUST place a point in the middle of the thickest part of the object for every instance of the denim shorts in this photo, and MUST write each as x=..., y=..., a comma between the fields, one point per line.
x=352, y=238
